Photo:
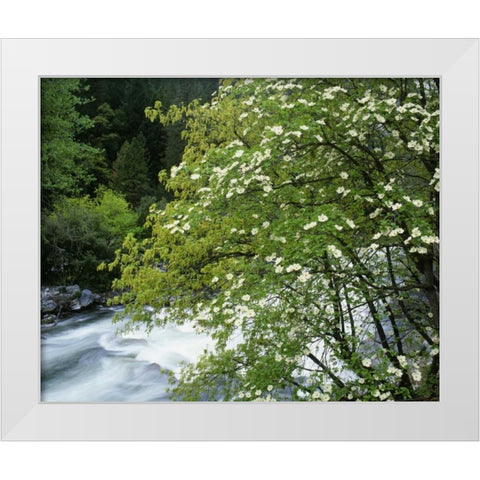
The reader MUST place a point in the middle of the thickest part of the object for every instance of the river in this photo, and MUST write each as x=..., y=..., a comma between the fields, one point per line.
x=83, y=360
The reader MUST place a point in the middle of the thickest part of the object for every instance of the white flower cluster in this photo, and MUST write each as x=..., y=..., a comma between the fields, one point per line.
x=384, y=396
x=245, y=311
x=304, y=277
x=395, y=232
x=334, y=251
x=235, y=143
x=293, y=268
x=175, y=169
x=394, y=371
x=402, y=360
x=295, y=133
x=322, y=218
x=430, y=239
x=343, y=191
x=278, y=239
x=421, y=250
x=249, y=101
x=414, y=145
x=174, y=226
x=436, y=180
x=309, y=226
x=327, y=388
x=416, y=232
x=350, y=223
x=366, y=362
x=271, y=257
x=329, y=93
x=277, y=130
x=323, y=397
x=416, y=375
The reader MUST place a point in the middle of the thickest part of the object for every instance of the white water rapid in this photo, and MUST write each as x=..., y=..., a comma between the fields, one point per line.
x=84, y=361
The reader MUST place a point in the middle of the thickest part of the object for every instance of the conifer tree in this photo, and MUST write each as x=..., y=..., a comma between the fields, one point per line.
x=130, y=170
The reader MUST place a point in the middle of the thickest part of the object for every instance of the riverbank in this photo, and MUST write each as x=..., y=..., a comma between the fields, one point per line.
x=60, y=301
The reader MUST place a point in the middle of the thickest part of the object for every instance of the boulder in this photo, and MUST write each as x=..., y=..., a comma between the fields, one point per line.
x=48, y=319
x=62, y=300
x=48, y=306
x=86, y=298
x=75, y=305
x=73, y=291
x=48, y=292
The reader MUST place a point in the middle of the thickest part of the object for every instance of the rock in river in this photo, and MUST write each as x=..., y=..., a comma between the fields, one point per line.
x=87, y=298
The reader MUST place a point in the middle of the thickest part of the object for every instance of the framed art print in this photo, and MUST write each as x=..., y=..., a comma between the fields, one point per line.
x=240, y=239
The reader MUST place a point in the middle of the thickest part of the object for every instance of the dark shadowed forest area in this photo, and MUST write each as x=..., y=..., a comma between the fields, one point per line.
x=100, y=162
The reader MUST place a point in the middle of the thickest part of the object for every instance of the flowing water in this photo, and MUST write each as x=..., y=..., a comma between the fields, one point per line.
x=83, y=360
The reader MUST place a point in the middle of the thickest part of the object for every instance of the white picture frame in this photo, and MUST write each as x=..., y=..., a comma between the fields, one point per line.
x=454, y=417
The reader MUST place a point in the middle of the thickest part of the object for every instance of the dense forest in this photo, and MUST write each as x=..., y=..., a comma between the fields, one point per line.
x=100, y=159
x=294, y=221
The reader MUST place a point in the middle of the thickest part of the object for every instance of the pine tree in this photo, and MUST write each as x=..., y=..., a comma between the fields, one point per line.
x=130, y=170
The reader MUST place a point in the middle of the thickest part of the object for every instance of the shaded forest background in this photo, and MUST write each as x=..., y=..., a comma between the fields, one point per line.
x=100, y=159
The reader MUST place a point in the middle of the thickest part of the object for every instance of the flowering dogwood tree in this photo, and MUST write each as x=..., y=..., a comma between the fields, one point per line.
x=303, y=239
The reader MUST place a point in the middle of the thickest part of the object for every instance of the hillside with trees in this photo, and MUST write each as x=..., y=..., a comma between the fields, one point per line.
x=100, y=159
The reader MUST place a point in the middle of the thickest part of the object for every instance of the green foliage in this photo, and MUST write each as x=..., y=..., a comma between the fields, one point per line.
x=303, y=238
x=67, y=165
x=80, y=234
x=116, y=214
x=130, y=175
x=146, y=204
x=94, y=135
